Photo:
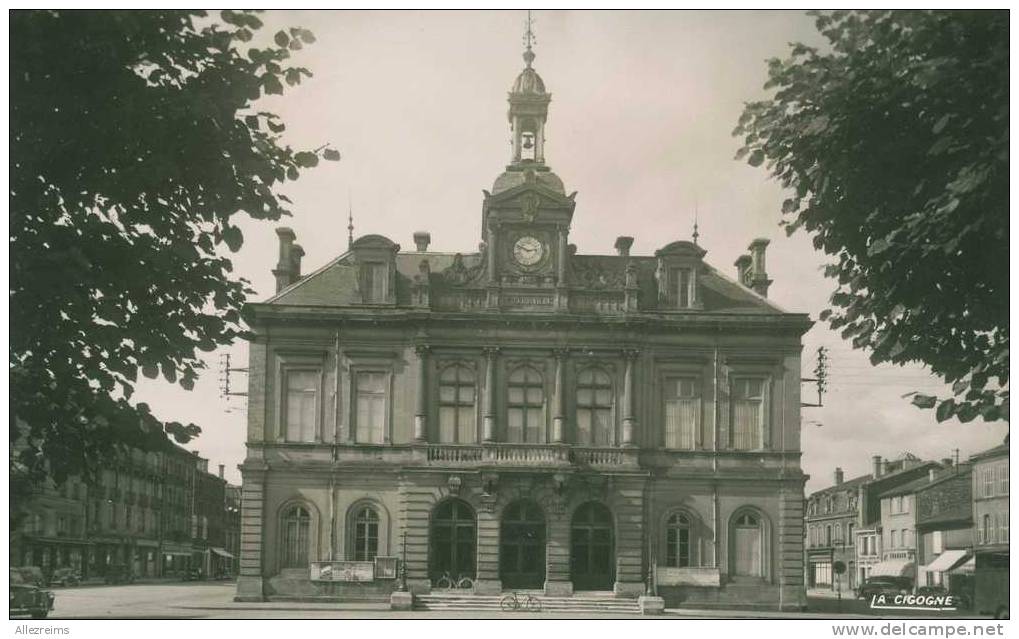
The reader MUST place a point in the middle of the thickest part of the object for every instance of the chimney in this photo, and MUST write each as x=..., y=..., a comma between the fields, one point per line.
x=886, y=467
x=743, y=269
x=221, y=468
x=838, y=476
x=296, y=253
x=421, y=240
x=623, y=244
x=758, y=271
x=877, y=466
x=284, y=268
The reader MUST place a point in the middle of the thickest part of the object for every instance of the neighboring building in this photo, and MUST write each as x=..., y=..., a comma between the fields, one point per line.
x=990, y=563
x=944, y=527
x=208, y=522
x=871, y=543
x=526, y=415
x=232, y=530
x=136, y=515
x=832, y=518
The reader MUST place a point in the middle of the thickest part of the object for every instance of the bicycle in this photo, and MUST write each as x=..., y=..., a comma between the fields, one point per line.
x=516, y=601
x=448, y=582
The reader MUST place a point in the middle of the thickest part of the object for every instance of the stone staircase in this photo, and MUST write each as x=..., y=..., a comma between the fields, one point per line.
x=584, y=602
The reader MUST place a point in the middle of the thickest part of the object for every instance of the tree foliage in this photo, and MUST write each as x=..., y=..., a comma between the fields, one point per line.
x=134, y=147
x=893, y=144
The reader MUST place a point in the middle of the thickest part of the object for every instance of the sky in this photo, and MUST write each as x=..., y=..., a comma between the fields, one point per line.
x=640, y=125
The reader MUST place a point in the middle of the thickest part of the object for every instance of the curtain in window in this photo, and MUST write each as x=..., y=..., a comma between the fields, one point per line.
x=296, y=526
x=526, y=409
x=678, y=542
x=366, y=535
x=748, y=413
x=302, y=405
x=457, y=412
x=371, y=407
x=682, y=412
x=594, y=408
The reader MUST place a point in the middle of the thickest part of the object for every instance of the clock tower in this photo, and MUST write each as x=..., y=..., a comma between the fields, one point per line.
x=526, y=217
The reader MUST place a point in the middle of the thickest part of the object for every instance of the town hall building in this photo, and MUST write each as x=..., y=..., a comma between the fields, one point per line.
x=524, y=416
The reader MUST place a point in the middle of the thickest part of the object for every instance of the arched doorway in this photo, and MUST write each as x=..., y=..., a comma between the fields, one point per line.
x=522, y=546
x=746, y=545
x=453, y=540
x=592, y=549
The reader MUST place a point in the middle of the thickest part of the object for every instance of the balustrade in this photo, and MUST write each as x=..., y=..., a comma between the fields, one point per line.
x=503, y=454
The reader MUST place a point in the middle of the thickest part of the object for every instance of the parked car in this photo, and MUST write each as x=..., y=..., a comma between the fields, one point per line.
x=887, y=586
x=27, y=598
x=65, y=577
x=960, y=599
x=31, y=574
x=193, y=574
x=118, y=574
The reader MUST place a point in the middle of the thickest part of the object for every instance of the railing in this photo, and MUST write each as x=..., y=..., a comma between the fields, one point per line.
x=504, y=454
x=598, y=301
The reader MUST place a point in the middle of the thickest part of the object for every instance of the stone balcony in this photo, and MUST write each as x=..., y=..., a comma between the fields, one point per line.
x=528, y=456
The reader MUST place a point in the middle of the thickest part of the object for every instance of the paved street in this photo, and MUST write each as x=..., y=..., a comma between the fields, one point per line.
x=215, y=601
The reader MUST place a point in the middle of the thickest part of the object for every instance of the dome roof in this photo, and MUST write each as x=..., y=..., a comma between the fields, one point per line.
x=510, y=179
x=529, y=82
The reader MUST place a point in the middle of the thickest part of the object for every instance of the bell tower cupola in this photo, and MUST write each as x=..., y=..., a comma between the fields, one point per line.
x=528, y=110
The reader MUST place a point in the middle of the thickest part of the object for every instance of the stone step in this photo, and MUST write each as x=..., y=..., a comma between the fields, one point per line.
x=587, y=602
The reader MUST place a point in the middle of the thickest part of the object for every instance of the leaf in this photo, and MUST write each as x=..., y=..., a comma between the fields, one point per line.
x=243, y=35
x=945, y=410
x=307, y=36
x=281, y=38
x=233, y=238
x=151, y=371
x=939, y=126
x=924, y=401
x=272, y=84
x=169, y=372
x=306, y=159
x=756, y=158
x=331, y=154
x=251, y=121
x=292, y=173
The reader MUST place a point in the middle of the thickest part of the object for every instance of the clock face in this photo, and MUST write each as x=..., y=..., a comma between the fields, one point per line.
x=528, y=251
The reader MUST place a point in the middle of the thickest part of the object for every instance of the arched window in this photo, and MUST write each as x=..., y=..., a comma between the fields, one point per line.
x=748, y=546
x=526, y=406
x=296, y=529
x=594, y=408
x=366, y=534
x=680, y=545
x=457, y=412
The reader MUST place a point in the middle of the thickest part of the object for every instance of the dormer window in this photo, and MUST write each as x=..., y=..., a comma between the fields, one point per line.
x=683, y=279
x=679, y=264
x=376, y=280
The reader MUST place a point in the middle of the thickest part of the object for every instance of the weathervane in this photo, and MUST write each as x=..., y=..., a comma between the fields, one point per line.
x=695, y=233
x=529, y=40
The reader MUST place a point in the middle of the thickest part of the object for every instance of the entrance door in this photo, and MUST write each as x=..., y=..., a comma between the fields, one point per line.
x=453, y=540
x=747, y=547
x=592, y=552
x=522, y=546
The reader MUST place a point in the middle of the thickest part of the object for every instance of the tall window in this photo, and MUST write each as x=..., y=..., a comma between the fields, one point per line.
x=296, y=530
x=683, y=281
x=682, y=412
x=526, y=410
x=301, y=404
x=748, y=412
x=457, y=412
x=850, y=540
x=366, y=535
x=678, y=552
x=594, y=408
x=1003, y=527
x=371, y=407
x=1002, y=472
x=747, y=546
x=827, y=535
x=988, y=474
x=376, y=282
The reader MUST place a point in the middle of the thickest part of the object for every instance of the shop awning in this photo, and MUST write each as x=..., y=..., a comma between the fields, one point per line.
x=967, y=567
x=892, y=568
x=945, y=561
x=222, y=553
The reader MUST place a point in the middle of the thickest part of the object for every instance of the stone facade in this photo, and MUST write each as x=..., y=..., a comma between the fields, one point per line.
x=525, y=416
